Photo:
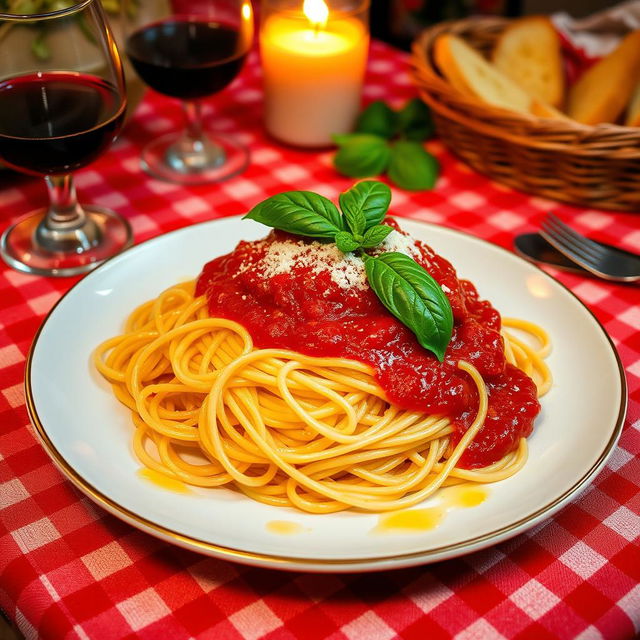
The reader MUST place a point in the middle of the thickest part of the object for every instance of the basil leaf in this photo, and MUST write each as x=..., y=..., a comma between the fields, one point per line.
x=354, y=215
x=414, y=297
x=375, y=235
x=378, y=118
x=342, y=138
x=362, y=155
x=346, y=242
x=40, y=48
x=29, y=6
x=414, y=121
x=370, y=197
x=411, y=167
x=300, y=212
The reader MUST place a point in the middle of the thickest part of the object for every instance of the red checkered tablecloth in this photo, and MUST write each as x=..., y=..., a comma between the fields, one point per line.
x=70, y=570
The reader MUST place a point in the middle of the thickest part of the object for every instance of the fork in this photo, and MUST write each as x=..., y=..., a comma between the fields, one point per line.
x=602, y=260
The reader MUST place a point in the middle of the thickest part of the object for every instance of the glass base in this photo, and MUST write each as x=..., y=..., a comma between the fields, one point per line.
x=219, y=157
x=104, y=235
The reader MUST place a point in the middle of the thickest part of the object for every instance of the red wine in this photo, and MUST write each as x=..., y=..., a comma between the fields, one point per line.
x=187, y=58
x=56, y=122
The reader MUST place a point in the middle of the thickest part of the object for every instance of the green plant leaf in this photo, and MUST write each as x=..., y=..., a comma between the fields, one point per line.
x=39, y=46
x=415, y=121
x=27, y=6
x=354, y=215
x=355, y=220
x=411, y=167
x=342, y=138
x=300, y=212
x=371, y=197
x=346, y=242
x=362, y=155
x=378, y=118
x=375, y=235
x=414, y=297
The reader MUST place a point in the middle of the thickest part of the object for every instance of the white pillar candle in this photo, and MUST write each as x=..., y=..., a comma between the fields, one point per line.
x=313, y=73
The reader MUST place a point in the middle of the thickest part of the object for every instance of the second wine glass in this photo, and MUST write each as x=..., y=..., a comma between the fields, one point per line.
x=192, y=53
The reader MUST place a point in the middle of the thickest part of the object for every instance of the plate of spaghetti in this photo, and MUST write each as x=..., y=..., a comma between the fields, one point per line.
x=259, y=396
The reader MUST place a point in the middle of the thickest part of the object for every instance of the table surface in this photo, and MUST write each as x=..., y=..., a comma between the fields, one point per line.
x=70, y=570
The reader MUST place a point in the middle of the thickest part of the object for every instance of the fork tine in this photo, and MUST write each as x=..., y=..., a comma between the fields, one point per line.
x=561, y=244
x=601, y=260
x=567, y=240
x=575, y=239
x=578, y=237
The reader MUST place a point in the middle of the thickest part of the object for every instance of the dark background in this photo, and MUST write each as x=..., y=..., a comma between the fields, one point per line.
x=399, y=21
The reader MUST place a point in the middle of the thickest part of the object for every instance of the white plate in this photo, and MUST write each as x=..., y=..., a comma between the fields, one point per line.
x=88, y=433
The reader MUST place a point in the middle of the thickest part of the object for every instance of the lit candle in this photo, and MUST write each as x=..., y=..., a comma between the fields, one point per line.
x=313, y=64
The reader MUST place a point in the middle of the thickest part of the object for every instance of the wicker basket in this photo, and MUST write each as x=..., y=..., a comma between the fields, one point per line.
x=557, y=159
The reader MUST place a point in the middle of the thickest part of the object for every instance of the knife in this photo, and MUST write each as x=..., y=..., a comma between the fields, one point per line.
x=534, y=248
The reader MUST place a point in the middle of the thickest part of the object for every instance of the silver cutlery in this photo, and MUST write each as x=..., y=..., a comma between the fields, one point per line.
x=534, y=248
x=604, y=261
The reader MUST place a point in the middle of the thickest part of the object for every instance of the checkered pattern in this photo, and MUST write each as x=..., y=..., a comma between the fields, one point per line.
x=70, y=570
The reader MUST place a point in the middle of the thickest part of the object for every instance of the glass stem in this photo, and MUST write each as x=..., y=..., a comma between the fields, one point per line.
x=64, y=210
x=65, y=227
x=193, y=117
x=194, y=152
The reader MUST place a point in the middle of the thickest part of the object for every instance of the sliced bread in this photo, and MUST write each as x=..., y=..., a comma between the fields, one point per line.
x=470, y=73
x=604, y=90
x=633, y=110
x=528, y=51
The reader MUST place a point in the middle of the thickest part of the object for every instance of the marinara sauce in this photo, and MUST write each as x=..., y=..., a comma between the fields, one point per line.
x=305, y=296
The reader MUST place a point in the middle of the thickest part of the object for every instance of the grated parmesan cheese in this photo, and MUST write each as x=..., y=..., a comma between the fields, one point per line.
x=346, y=270
x=401, y=243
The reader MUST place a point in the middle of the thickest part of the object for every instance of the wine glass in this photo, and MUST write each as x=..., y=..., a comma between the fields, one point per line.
x=62, y=103
x=194, y=52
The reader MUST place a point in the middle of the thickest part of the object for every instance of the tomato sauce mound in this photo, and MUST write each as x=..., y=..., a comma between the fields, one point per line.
x=306, y=296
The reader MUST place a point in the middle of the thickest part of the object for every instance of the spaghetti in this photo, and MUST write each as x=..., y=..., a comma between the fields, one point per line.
x=287, y=429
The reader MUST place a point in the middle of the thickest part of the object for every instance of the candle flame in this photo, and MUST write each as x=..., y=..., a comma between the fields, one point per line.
x=247, y=13
x=317, y=12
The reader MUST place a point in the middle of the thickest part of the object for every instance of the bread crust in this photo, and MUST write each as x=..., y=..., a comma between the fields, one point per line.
x=529, y=52
x=476, y=76
x=633, y=110
x=603, y=91
x=544, y=110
